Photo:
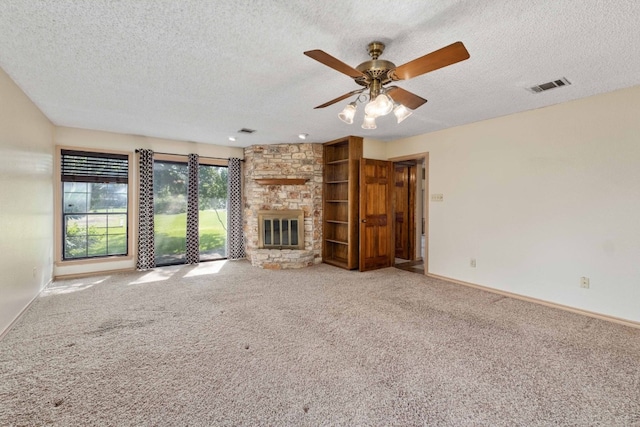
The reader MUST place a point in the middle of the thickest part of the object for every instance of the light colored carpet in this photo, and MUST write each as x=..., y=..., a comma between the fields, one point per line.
x=230, y=344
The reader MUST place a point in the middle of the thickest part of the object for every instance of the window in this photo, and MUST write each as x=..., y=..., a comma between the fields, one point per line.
x=94, y=204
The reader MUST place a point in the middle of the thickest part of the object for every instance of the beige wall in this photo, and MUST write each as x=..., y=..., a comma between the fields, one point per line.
x=83, y=138
x=540, y=199
x=374, y=149
x=26, y=200
x=117, y=141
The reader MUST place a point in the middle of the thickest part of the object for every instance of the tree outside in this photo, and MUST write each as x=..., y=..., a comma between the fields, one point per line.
x=95, y=219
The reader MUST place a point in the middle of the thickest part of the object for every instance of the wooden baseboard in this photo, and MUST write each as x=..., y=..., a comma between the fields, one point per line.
x=606, y=317
x=92, y=273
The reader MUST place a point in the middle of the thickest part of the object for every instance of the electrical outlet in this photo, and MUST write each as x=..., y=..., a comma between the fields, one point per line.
x=584, y=282
x=472, y=263
x=34, y=272
x=437, y=197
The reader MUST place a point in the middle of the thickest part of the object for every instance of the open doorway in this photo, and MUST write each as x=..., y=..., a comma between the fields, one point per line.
x=410, y=212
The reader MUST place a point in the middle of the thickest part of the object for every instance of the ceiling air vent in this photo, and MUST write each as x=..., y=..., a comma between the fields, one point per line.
x=245, y=130
x=550, y=85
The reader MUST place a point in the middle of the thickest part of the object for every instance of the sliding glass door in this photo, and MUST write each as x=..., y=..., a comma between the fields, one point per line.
x=170, y=180
x=212, y=200
x=170, y=211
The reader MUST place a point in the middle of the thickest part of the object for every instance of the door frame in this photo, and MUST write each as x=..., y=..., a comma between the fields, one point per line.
x=411, y=185
x=421, y=158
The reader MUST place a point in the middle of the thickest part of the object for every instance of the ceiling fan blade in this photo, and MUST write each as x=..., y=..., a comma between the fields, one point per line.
x=340, y=98
x=334, y=63
x=448, y=55
x=406, y=98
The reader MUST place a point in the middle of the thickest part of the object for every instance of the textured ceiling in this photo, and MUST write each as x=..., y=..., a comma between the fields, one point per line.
x=200, y=70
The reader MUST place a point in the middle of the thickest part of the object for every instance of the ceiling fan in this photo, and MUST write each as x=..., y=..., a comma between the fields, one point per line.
x=376, y=73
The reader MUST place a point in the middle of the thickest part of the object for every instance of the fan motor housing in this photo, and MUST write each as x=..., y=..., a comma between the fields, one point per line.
x=375, y=69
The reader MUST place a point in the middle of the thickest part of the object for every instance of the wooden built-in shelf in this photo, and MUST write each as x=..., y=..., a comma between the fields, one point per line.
x=339, y=242
x=337, y=262
x=282, y=181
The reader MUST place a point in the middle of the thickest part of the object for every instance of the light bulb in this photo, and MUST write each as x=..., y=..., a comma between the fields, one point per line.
x=401, y=112
x=369, y=122
x=347, y=114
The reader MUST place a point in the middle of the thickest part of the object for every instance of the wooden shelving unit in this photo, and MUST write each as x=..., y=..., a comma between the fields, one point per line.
x=340, y=202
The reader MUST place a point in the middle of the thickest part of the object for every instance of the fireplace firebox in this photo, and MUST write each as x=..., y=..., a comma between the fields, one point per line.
x=281, y=229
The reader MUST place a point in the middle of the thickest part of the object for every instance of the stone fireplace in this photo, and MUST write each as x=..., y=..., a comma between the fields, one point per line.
x=283, y=189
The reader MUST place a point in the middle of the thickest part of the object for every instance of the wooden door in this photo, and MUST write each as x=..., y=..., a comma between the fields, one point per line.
x=404, y=202
x=376, y=222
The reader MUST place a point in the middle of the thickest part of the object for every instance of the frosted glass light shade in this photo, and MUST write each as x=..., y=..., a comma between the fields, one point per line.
x=380, y=106
x=369, y=122
x=347, y=114
x=401, y=112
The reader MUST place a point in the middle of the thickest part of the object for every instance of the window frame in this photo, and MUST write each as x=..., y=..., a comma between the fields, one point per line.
x=59, y=214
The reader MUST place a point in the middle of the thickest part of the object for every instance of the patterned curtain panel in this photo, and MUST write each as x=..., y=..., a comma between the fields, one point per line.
x=235, y=239
x=193, y=235
x=146, y=252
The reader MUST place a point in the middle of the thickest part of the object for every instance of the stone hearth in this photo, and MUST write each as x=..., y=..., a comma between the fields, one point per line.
x=282, y=162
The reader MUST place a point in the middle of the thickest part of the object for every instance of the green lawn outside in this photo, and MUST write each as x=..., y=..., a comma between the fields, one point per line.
x=170, y=232
x=170, y=236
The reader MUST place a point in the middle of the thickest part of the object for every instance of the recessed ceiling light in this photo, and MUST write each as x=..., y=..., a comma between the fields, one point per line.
x=303, y=135
x=232, y=138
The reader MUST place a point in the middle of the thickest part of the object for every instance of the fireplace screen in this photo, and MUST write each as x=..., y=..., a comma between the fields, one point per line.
x=281, y=229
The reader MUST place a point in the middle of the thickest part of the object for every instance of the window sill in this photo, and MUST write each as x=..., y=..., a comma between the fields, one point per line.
x=98, y=260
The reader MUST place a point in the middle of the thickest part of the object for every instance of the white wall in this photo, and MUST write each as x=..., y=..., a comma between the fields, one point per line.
x=540, y=199
x=26, y=200
x=83, y=138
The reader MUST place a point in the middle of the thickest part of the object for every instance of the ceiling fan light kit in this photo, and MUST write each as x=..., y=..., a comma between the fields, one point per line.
x=376, y=73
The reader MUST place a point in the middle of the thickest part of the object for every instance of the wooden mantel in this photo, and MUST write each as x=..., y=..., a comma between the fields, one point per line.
x=282, y=181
